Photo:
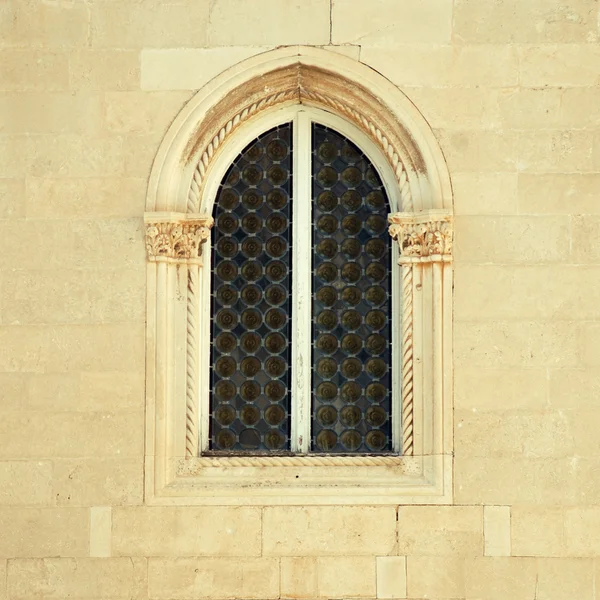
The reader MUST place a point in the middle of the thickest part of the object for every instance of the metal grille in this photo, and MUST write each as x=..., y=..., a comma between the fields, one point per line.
x=251, y=303
x=351, y=354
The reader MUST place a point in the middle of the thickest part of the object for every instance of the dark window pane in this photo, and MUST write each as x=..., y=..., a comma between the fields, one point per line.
x=351, y=401
x=251, y=301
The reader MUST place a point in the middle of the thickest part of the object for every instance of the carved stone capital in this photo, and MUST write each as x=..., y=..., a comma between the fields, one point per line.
x=176, y=237
x=422, y=237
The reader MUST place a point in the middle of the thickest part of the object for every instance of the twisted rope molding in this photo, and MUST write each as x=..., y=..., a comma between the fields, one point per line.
x=191, y=418
x=377, y=135
x=193, y=204
x=296, y=461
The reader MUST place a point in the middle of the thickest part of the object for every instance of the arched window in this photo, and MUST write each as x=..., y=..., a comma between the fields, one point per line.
x=301, y=267
x=299, y=330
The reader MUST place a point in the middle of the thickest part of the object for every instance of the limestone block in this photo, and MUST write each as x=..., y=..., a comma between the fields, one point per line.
x=440, y=530
x=477, y=389
x=576, y=389
x=517, y=344
x=58, y=198
x=384, y=21
x=13, y=391
x=581, y=527
x=104, y=70
x=459, y=107
x=30, y=297
x=98, y=481
x=40, y=532
x=391, y=577
x=26, y=483
x=241, y=23
x=550, y=108
x=502, y=240
x=142, y=112
x=435, y=577
x=556, y=151
x=472, y=150
x=93, y=578
x=496, y=528
x=82, y=348
x=150, y=24
x=591, y=344
x=189, y=68
x=444, y=65
x=527, y=292
x=559, y=64
x=299, y=577
x=140, y=150
x=192, y=578
x=485, y=193
x=51, y=24
x=186, y=531
x=346, y=577
x=586, y=239
x=83, y=391
x=538, y=531
x=100, y=531
x=545, y=481
x=14, y=156
x=565, y=579
x=559, y=193
x=523, y=433
x=33, y=70
x=513, y=21
x=12, y=198
x=498, y=578
x=328, y=530
x=3, y=568
x=52, y=112
x=75, y=244
x=64, y=435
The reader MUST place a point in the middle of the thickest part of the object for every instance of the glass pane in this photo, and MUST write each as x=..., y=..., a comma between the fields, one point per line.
x=251, y=301
x=351, y=390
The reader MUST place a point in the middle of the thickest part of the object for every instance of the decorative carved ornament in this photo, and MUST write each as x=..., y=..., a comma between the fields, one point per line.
x=176, y=237
x=422, y=237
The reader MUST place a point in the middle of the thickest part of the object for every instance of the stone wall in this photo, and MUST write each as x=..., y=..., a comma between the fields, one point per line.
x=511, y=89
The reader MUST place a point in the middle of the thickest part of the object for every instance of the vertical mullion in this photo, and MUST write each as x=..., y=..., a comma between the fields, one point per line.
x=301, y=283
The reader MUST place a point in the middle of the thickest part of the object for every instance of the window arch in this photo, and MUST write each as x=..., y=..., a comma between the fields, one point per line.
x=339, y=343
x=211, y=131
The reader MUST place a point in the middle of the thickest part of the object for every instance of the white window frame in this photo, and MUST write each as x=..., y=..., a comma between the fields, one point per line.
x=203, y=141
x=301, y=118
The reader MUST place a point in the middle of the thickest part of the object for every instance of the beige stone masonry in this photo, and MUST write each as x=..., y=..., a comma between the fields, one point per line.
x=440, y=530
x=385, y=21
x=346, y=576
x=33, y=70
x=189, y=69
x=104, y=70
x=435, y=577
x=496, y=530
x=239, y=23
x=297, y=531
x=298, y=577
x=87, y=481
x=3, y=590
x=558, y=193
x=100, y=531
x=87, y=578
x=41, y=532
x=192, y=578
x=538, y=531
x=170, y=531
x=391, y=577
x=12, y=198
x=486, y=193
x=26, y=483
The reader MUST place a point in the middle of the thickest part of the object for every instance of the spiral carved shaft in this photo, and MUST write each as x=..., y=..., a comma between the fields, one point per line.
x=191, y=420
x=407, y=360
